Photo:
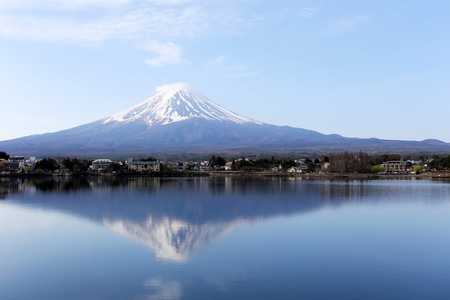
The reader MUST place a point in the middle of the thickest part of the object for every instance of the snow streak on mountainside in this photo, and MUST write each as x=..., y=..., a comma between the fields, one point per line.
x=174, y=103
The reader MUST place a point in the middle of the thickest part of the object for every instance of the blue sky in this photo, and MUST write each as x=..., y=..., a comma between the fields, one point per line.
x=351, y=67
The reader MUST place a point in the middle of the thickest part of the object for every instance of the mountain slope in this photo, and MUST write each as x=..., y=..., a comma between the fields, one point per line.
x=174, y=103
x=180, y=119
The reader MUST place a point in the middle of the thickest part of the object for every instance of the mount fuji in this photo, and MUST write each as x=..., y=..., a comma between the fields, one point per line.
x=179, y=119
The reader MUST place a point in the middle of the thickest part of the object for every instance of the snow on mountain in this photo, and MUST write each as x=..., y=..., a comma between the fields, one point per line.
x=177, y=102
x=173, y=240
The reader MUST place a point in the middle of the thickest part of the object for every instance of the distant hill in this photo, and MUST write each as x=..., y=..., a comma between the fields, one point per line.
x=181, y=120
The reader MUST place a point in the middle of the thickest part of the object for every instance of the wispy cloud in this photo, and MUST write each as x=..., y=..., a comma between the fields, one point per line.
x=160, y=24
x=80, y=4
x=349, y=24
x=148, y=23
x=217, y=61
x=307, y=12
x=223, y=66
x=167, y=54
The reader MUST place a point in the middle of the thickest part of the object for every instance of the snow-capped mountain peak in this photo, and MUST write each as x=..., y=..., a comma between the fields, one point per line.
x=174, y=103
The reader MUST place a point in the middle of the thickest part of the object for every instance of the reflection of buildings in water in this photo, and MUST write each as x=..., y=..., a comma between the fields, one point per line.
x=173, y=240
x=2, y=193
x=106, y=183
x=10, y=185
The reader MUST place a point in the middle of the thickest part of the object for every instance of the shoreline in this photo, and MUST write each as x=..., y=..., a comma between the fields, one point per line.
x=344, y=176
x=350, y=176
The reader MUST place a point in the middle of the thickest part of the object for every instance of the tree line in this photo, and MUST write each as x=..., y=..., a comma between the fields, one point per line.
x=344, y=162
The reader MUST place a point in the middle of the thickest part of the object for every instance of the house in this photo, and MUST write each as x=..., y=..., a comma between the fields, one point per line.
x=142, y=166
x=325, y=166
x=304, y=167
x=18, y=159
x=295, y=170
x=396, y=166
x=228, y=166
x=7, y=166
x=101, y=164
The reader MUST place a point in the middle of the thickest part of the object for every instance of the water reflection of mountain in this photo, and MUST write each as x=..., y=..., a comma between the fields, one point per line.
x=178, y=216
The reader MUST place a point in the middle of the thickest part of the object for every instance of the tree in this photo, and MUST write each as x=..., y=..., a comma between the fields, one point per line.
x=28, y=169
x=446, y=162
x=217, y=161
x=418, y=169
x=377, y=169
x=221, y=161
x=4, y=155
x=47, y=164
x=75, y=164
x=440, y=163
x=363, y=162
x=115, y=167
x=287, y=163
x=242, y=164
x=262, y=163
x=150, y=158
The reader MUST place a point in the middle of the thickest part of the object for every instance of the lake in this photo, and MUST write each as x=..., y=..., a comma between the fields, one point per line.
x=224, y=238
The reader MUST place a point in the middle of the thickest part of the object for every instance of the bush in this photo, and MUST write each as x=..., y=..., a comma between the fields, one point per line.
x=377, y=169
x=418, y=169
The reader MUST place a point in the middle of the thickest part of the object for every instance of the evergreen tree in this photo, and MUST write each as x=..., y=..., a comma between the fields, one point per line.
x=4, y=155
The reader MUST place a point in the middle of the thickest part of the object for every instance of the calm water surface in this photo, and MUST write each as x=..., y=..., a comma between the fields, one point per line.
x=224, y=238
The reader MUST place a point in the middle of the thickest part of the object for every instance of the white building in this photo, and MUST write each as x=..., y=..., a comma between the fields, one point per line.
x=101, y=164
x=18, y=159
x=142, y=166
x=396, y=166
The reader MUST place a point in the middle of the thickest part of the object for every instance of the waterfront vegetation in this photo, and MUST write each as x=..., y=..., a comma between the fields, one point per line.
x=334, y=163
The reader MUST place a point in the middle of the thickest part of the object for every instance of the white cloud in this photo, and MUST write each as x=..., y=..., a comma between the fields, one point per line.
x=133, y=25
x=136, y=19
x=217, y=61
x=80, y=4
x=349, y=24
x=168, y=54
x=307, y=12
x=222, y=66
x=157, y=23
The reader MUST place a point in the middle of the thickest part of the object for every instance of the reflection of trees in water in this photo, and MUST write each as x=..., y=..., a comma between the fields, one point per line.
x=73, y=184
x=197, y=200
x=212, y=186
x=329, y=190
x=63, y=185
x=345, y=190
